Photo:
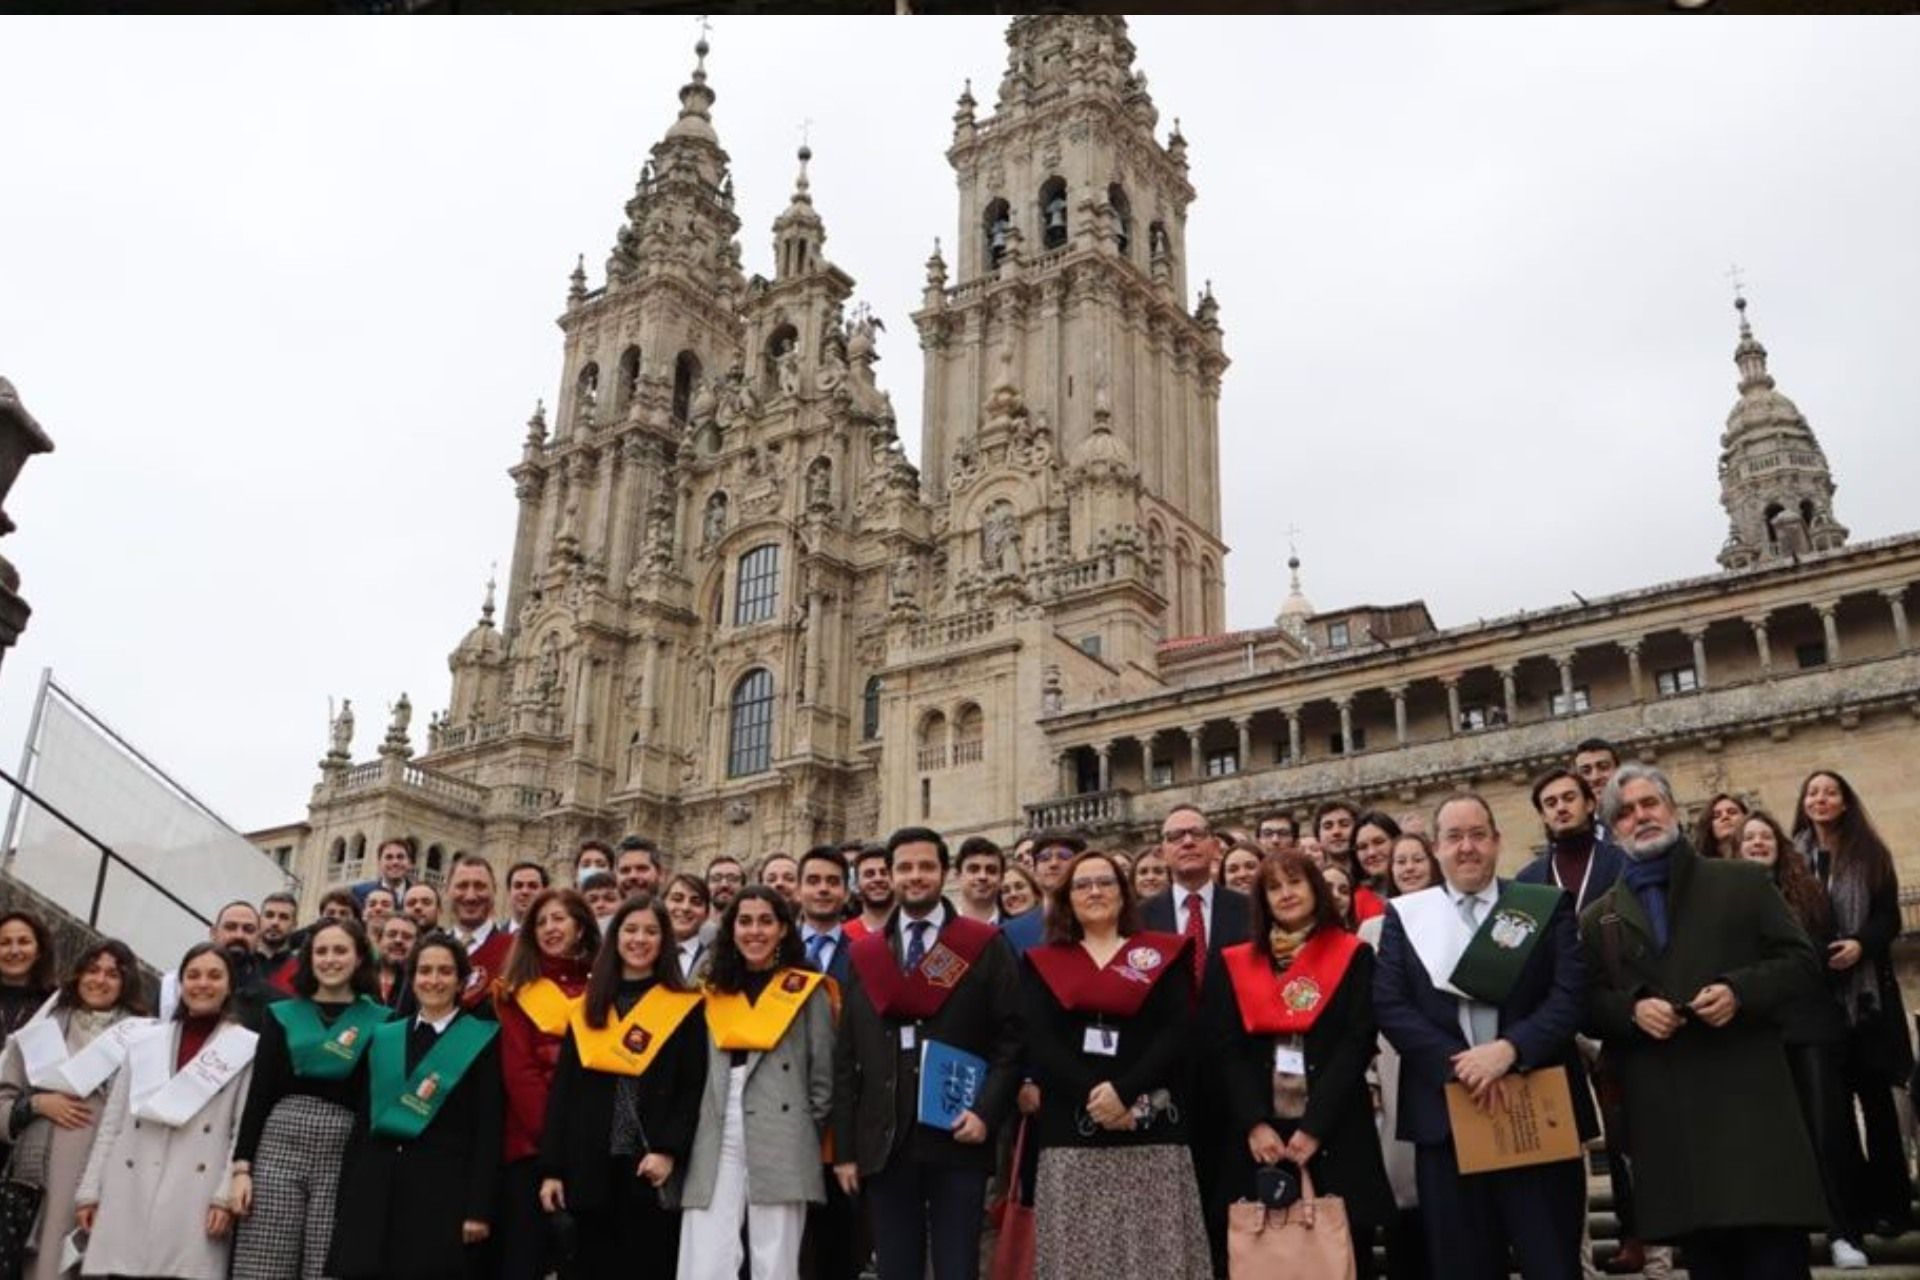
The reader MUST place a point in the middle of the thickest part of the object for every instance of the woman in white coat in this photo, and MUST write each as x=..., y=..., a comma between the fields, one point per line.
x=155, y=1195
x=53, y=1086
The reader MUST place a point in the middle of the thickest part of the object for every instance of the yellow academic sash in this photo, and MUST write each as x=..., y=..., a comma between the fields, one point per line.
x=546, y=1005
x=738, y=1023
x=627, y=1046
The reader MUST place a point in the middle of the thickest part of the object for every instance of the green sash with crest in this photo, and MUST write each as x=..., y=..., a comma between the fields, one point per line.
x=322, y=1052
x=1492, y=962
x=404, y=1105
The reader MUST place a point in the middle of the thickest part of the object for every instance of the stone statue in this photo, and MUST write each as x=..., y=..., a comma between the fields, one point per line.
x=1051, y=693
x=1000, y=548
x=402, y=717
x=342, y=734
x=820, y=483
x=790, y=372
x=903, y=579
x=715, y=524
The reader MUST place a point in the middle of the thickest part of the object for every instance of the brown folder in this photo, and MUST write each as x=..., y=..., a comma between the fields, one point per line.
x=1536, y=1126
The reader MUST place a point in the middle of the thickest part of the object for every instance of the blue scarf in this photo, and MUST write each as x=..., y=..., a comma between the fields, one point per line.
x=1648, y=878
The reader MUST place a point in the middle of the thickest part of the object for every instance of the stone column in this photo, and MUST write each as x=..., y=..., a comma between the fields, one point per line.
x=1293, y=734
x=1698, y=635
x=1897, y=602
x=1632, y=649
x=1565, y=662
x=1508, y=693
x=1105, y=754
x=1452, y=686
x=1245, y=725
x=1398, y=693
x=1069, y=776
x=1346, y=725
x=1146, y=761
x=1831, y=625
x=1195, y=757
x=1761, y=648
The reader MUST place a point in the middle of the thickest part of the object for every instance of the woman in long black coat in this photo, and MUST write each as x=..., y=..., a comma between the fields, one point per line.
x=1291, y=1019
x=414, y=1208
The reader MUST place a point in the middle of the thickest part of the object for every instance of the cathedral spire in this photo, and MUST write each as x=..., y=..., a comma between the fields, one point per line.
x=799, y=233
x=1774, y=480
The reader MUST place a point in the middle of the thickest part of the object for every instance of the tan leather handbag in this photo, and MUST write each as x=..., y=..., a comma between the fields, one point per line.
x=1307, y=1240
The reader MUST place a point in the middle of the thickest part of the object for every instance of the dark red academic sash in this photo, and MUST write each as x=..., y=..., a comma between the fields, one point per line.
x=1367, y=904
x=921, y=993
x=1119, y=989
x=489, y=962
x=281, y=979
x=1288, y=1002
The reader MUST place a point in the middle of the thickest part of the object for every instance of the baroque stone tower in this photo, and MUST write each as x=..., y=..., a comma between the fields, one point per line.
x=1774, y=481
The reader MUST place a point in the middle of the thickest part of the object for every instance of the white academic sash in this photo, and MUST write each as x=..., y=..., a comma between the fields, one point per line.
x=1436, y=933
x=43, y=1052
x=160, y=1094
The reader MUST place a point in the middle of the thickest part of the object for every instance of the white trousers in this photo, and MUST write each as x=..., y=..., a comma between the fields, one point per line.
x=710, y=1237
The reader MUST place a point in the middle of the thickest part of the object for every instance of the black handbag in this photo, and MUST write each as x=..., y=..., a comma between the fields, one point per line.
x=20, y=1204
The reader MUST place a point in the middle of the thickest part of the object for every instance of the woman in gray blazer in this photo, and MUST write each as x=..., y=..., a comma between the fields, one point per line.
x=769, y=1092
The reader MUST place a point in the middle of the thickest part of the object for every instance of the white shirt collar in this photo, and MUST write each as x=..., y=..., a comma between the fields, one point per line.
x=439, y=1025
x=1204, y=893
x=808, y=933
x=478, y=938
x=1486, y=897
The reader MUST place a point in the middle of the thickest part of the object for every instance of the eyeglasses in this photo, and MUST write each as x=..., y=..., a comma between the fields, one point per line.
x=1274, y=833
x=1087, y=884
x=1182, y=834
x=1053, y=855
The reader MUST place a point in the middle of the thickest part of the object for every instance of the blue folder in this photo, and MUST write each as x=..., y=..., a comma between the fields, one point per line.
x=950, y=1082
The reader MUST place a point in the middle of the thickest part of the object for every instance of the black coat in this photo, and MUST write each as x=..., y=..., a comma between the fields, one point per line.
x=876, y=1087
x=402, y=1204
x=575, y=1142
x=1227, y=929
x=1878, y=1050
x=1339, y=1047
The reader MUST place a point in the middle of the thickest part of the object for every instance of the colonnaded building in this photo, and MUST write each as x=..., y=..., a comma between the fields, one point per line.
x=739, y=620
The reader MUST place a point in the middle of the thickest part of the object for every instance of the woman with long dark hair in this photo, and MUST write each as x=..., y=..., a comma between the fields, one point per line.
x=156, y=1196
x=418, y=1183
x=768, y=1095
x=1291, y=1017
x=26, y=969
x=620, y=1114
x=1374, y=835
x=545, y=977
x=1832, y=831
x=54, y=1079
x=1717, y=833
x=1108, y=1034
x=299, y=1113
x=1815, y=1035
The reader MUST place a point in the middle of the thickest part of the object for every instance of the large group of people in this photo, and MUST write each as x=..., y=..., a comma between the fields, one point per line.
x=880, y=1057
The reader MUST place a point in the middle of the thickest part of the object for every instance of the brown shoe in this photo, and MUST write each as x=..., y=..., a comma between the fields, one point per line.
x=1629, y=1260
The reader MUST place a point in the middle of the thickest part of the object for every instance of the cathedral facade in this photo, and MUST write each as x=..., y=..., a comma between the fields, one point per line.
x=738, y=618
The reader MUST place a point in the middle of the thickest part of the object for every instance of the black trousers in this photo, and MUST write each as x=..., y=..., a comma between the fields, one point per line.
x=1824, y=1104
x=522, y=1238
x=1747, y=1253
x=1473, y=1219
x=632, y=1234
x=1885, y=1191
x=1407, y=1247
x=835, y=1245
x=927, y=1211
x=1613, y=1124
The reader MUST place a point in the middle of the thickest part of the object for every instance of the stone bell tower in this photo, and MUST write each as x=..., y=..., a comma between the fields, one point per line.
x=1070, y=288
x=1774, y=480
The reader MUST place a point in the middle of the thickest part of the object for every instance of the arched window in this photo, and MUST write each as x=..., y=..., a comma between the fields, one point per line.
x=932, y=741
x=337, y=858
x=870, y=710
x=995, y=224
x=436, y=864
x=1208, y=582
x=1122, y=217
x=586, y=390
x=1053, y=213
x=750, y=736
x=969, y=733
x=1158, y=245
x=1771, y=514
x=686, y=372
x=757, y=585
x=629, y=377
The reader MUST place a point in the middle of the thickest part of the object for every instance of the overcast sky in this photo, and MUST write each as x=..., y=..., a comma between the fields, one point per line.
x=283, y=293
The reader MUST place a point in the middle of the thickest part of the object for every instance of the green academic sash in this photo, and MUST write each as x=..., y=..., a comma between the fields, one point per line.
x=320, y=1052
x=1499, y=948
x=404, y=1107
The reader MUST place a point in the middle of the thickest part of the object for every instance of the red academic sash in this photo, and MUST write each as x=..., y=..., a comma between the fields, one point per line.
x=489, y=962
x=921, y=993
x=1367, y=904
x=1287, y=1003
x=1117, y=990
x=281, y=979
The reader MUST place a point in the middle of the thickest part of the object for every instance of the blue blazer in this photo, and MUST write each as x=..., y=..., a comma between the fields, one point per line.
x=1608, y=859
x=1028, y=929
x=1539, y=1018
x=838, y=966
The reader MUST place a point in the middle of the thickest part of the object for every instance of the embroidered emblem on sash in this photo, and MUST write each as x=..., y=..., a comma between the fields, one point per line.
x=1511, y=929
x=1301, y=994
x=637, y=1039
x=1144, y=959
x=421, y=1096
x=793, y=982
x=943, y=967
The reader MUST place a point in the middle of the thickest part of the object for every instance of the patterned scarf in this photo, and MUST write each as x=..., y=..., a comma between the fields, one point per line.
x=1852, y=900
x=1283, y=943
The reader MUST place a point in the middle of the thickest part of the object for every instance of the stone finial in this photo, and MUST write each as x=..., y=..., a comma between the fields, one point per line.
x=577, y=282
x=537, y=424
x=397, y=742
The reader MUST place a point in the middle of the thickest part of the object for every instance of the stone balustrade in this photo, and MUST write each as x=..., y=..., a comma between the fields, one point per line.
x=1091, y=811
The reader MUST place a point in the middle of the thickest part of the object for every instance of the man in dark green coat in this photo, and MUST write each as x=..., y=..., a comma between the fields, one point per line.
x=1692, y=962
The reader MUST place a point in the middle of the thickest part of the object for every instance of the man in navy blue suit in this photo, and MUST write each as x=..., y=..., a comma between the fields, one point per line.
x=834, y=1242
x=1427, y=944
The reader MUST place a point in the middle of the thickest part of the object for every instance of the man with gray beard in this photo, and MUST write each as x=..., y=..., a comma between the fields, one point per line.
x=1691, y=962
